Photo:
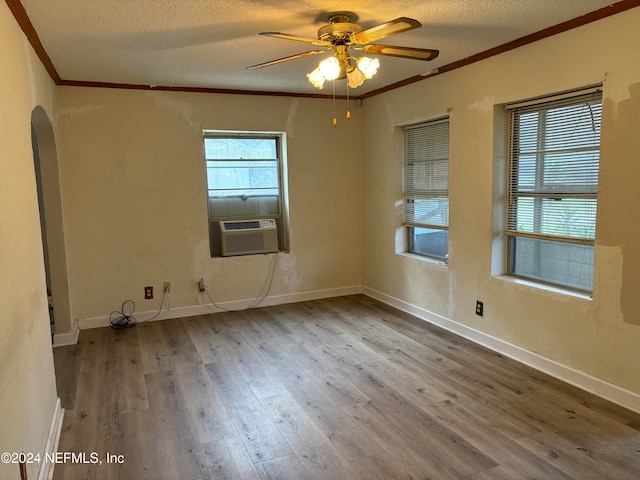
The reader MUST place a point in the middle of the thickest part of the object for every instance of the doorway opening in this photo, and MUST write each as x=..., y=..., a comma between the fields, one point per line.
x=51, y=221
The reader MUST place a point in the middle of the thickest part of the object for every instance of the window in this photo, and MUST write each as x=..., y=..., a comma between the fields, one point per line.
x=244, y=179
x=426, y=206
x=552, y=189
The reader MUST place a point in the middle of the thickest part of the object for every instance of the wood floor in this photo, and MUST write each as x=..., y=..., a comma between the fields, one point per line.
x=344, y=388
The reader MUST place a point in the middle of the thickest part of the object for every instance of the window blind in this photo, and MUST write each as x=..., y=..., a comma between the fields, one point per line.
x=243, y=175
x=553, y=168
x=427, y=175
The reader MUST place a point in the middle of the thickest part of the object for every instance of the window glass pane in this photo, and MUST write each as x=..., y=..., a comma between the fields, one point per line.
x=428, y=176
x=429, y=241
x=560, y=263
x=240, y=148
x=232, y=178
x=567, y=217
x=527, y=133
x=558, y=172
x=429, y=211
x=572, y=126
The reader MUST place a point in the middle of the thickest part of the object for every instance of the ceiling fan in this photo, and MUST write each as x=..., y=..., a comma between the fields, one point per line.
x=339, y=36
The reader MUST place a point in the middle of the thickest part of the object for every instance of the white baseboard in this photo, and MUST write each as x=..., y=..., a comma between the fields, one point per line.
x=55, y=429
x=71, y=338
x=178, y=312
x=606, y=390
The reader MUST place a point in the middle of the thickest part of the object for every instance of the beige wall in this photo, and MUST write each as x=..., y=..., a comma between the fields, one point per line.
x=598, y=336
x=132, y=172
x=27, y=386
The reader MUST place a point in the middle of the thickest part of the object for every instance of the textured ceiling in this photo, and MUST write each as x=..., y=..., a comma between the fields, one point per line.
x=209, y=44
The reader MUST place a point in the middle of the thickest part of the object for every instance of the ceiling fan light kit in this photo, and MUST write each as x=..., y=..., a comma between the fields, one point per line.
x=368, y=66
x=316, y=78
x=330, y=68
x=338, y=37
x=355, y=77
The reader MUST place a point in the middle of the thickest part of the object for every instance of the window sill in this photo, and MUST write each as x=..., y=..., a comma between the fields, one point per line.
x=423, y=258
x=548, y=288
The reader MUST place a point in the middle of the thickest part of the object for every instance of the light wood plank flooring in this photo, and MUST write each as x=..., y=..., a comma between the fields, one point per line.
x=344, y=388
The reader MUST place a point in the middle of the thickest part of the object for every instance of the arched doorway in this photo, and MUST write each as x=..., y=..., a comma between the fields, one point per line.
x=50, y=203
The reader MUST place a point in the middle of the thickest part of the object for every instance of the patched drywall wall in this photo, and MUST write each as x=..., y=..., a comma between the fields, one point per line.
x=597, y=336
x=618, y=221
x=27, y=383
x=133, y=181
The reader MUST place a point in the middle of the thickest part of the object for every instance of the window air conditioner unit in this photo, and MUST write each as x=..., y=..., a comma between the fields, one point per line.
x=246, y=237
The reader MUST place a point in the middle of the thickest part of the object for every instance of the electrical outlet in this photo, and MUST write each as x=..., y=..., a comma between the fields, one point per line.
x=479, y=308
x=148, y=293
x=202, y=286
x=166, y=287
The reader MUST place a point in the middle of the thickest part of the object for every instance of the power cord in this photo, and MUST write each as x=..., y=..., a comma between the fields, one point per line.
x=124, y=320
x=254, y=304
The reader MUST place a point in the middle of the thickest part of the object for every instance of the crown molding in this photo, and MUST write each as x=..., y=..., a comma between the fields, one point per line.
x=25, y=24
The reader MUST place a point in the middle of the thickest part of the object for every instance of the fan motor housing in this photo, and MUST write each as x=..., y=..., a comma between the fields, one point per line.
x=340, y=29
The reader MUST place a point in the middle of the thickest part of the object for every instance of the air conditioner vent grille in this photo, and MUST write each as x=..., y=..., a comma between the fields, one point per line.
x=250, y=242
x=247, y=237
x=242, y=225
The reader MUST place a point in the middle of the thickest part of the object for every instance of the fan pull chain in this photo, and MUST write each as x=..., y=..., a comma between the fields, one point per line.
x=348, y=109
x=335, y=120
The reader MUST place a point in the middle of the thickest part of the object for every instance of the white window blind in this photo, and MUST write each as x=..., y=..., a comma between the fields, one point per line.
x=243, y=175
x=554, y=163
x=427, y=175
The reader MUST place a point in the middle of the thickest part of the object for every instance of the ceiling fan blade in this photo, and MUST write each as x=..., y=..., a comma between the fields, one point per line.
x=402, y=52
x=392, y=27
x=286, y=59
x=297, y=38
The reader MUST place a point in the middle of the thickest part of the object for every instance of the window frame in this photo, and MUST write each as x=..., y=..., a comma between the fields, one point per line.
x=543, y=190
x=412, y=193
x=281, y=217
